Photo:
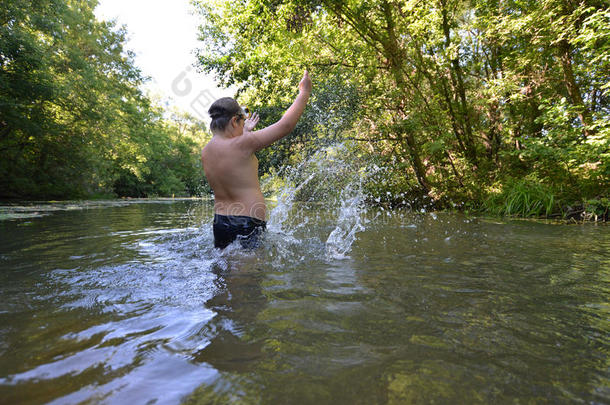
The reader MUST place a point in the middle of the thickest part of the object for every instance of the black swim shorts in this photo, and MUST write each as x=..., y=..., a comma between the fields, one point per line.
x=228, y=228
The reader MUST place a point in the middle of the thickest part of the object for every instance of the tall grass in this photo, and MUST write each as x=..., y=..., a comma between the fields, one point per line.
x=525, y=198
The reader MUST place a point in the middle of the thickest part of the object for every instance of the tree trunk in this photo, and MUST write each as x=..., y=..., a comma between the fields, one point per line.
x=459, y=88
x=396, y=60
x=572, y=87
x=388, y=47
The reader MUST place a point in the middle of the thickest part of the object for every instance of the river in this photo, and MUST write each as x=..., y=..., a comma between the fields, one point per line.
x=127, y=302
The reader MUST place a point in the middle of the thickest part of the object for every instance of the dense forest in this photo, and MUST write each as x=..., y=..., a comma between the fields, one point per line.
x=483, y=104
x=74, y=122
x=493, y=105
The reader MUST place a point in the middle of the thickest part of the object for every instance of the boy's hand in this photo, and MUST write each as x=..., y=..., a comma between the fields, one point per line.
x=251, y=122
x=305, y=84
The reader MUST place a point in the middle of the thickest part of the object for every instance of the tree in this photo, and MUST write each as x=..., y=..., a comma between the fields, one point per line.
x=468, y=94
x=73, y=120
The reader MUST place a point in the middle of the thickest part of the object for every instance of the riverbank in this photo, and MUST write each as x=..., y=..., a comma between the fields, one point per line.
x=597, y=211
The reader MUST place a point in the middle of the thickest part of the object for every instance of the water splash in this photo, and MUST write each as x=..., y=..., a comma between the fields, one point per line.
x=285, y=202
x=332, y=177
x=349, y=223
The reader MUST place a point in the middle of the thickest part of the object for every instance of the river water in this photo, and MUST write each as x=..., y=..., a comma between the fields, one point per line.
x=127, y=302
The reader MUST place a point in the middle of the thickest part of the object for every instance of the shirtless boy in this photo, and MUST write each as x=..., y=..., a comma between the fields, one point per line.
x=232, y=169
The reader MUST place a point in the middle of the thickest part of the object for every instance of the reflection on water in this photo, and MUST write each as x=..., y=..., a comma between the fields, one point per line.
x=119, y=303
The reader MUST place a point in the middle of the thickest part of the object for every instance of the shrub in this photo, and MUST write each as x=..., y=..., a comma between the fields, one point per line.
x=526, y=197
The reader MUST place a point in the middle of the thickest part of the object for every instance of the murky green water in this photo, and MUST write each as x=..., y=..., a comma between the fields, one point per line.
x=128, y=303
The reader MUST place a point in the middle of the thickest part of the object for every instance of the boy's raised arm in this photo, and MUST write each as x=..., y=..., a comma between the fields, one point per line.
x=260, y=139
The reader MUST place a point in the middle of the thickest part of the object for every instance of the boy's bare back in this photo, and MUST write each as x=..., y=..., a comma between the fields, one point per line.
x=229, y=162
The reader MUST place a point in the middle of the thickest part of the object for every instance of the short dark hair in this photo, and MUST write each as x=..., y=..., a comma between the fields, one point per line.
x=221, y=112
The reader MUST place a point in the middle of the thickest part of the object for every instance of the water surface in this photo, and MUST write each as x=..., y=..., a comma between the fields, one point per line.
x=128, y=301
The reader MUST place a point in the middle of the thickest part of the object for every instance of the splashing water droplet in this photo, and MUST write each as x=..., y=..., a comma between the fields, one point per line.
x=318, y=180
x=349, y=223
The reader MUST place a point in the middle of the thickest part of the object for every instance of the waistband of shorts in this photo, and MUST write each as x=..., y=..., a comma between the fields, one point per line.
x=239, y=217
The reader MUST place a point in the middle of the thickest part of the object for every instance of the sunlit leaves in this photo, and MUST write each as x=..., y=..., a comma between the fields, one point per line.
x=73, y=120
x=476, y=91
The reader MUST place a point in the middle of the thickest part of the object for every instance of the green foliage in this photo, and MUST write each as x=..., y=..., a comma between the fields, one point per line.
x=57, y=97
x=166, y=162
x=391, y=183
x=526, y=197
x=455, y=94
x=446, y=99
x=597, y=209
x=331, y=112
x=73, y=122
